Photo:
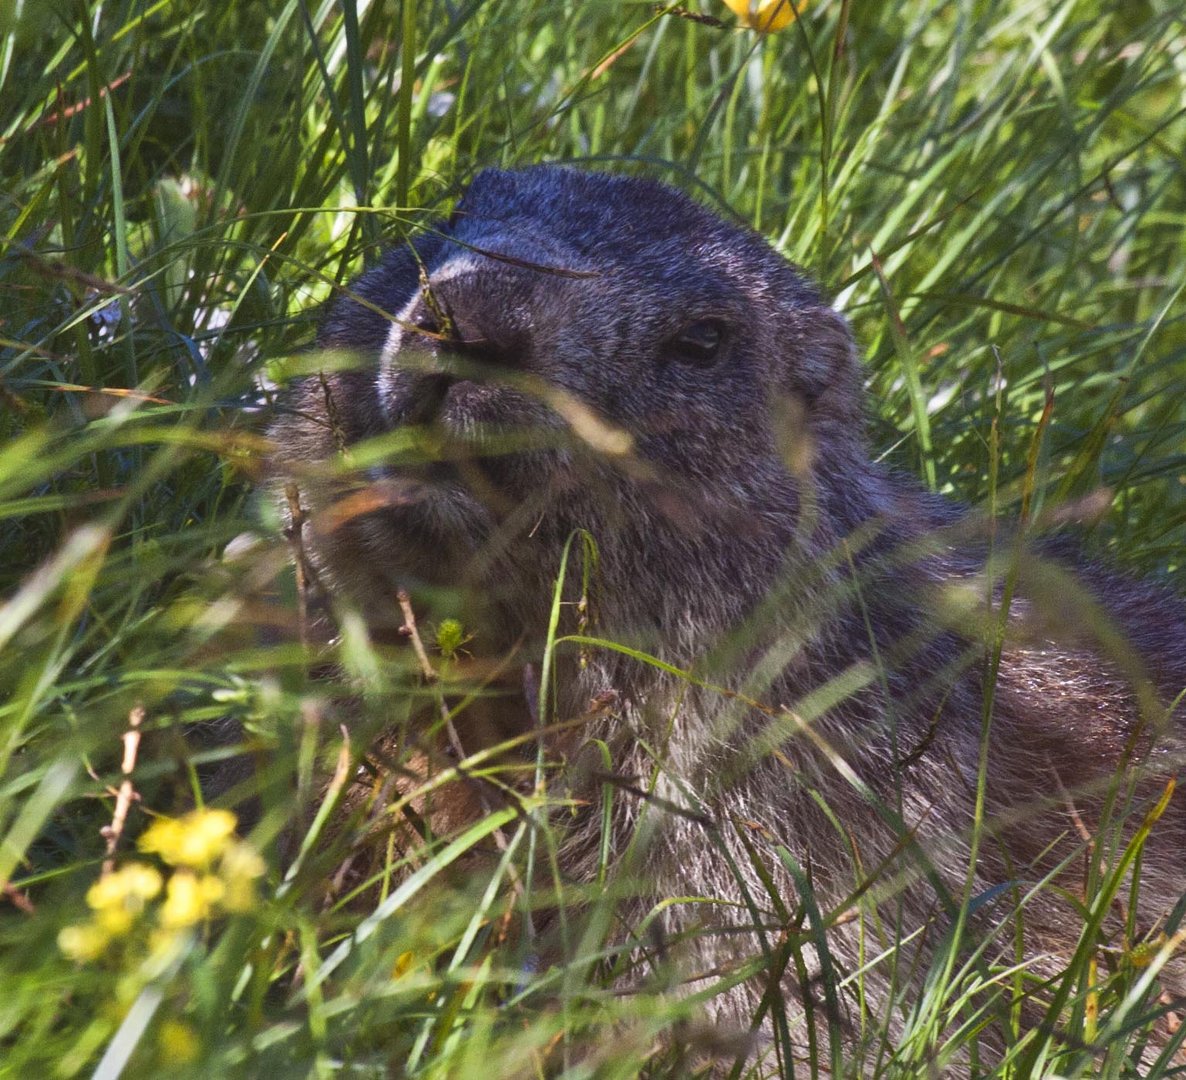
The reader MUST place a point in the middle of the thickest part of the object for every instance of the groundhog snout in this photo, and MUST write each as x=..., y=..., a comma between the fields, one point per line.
x=476, y=318
x=467, y=352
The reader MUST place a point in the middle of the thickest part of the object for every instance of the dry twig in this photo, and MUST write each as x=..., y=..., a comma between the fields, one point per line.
x=126, y=792
x=295, y=536
x=18, y=899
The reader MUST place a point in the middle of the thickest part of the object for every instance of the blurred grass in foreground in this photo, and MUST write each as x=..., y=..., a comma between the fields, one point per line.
x=183, y=182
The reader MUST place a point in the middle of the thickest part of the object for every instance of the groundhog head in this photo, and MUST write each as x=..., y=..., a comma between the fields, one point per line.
x=581, y=351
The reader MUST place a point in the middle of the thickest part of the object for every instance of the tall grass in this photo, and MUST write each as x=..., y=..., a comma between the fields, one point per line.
x=995, y=193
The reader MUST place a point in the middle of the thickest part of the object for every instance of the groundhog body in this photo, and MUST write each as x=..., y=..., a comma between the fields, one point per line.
x=586, y=352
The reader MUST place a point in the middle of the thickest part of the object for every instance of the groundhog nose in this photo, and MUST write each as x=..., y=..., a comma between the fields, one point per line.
x=478, y=315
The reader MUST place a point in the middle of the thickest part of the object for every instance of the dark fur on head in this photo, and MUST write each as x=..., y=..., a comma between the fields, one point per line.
x=601, y=353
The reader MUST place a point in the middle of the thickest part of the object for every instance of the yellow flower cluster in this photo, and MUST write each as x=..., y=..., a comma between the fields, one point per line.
x=195, y=840
x=117, y=900
x=213, y=873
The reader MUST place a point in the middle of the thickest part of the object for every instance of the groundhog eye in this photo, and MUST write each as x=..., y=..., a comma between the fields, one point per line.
x=698, y=342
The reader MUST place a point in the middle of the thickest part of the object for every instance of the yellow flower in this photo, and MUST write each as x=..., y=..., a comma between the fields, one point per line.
x=129, y=886
x=190, y=899
x=766, y=15
x=119, y=897
x=83, y=942
x=114, y=921
x=178, y=1042
x=240, y=867
x=195, y=840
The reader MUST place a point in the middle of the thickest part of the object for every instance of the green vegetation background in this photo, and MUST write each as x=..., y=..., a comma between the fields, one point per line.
x=995, y=193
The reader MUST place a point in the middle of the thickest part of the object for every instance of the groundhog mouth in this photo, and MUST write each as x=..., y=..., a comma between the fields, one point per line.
x=477, y=436
x=483, y=437
x=458, y=403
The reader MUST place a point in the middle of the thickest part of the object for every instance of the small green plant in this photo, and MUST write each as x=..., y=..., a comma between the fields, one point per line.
x=451, y=638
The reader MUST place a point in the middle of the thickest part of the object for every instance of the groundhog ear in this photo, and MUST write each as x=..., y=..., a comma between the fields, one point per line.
x=825, y=371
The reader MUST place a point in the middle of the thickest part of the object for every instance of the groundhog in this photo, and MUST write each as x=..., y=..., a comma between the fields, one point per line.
x=813, y=676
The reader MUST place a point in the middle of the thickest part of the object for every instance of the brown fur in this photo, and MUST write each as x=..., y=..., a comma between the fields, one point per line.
x=833, y=613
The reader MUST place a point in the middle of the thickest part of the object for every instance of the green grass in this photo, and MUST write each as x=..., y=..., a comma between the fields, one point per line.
x=996, y=195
